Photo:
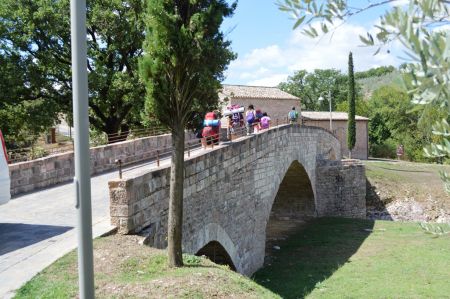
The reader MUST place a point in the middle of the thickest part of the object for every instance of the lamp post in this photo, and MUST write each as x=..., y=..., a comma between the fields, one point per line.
x=321, y=99
x=82, y=179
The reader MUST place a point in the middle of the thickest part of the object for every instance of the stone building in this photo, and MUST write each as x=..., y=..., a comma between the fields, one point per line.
x=339, y=124
x=272, y=100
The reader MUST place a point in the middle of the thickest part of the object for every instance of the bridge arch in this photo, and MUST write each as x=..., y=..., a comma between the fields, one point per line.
x=293, y=204
x=212, y=237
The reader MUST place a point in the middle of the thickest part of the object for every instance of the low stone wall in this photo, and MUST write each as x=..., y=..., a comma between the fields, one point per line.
x=48, y=171
x=229, y=192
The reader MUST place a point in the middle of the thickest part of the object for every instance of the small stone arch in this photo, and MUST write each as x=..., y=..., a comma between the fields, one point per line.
x=213, y=235
x=217, y=254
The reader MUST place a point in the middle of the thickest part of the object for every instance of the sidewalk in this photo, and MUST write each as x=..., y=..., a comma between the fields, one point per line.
x=38, y=228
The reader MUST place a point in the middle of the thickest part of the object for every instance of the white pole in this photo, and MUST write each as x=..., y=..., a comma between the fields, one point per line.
x=82, y=179
x=331, y=114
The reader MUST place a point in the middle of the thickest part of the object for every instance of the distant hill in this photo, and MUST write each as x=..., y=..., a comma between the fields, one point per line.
x=371, y=83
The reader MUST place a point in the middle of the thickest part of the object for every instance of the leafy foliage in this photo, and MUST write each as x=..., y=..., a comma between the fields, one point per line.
x=38, y=32
x=310, y=86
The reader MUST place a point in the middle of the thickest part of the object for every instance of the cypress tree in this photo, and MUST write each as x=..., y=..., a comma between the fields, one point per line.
x=185, y=55
x=351, y=129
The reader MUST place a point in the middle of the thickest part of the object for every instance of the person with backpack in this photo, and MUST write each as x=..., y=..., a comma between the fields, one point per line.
x=250, y=117
x=257, y=122
x=293, y=116
x=265, y=121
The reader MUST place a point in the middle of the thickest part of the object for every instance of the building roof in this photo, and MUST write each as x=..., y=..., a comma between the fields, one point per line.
x=322, y=115
x=255, y=92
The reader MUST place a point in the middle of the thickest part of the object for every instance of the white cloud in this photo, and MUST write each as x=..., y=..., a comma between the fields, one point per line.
x=268, y=56
x=399, y=3
x=270, y=65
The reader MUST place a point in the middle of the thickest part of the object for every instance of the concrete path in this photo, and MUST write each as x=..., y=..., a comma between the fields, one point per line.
x=38, y=228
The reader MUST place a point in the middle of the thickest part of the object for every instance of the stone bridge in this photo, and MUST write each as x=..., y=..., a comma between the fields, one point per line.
x=233, y=192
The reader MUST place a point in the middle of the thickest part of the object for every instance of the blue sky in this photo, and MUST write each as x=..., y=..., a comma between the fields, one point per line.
x=269, y=50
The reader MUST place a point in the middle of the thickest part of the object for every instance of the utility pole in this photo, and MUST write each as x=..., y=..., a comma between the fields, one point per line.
x=82, y=179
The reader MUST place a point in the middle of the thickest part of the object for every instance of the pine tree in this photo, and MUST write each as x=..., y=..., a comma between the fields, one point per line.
x=351, y=129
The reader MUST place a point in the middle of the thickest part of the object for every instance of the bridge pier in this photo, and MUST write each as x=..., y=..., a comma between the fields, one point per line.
x=229, y=192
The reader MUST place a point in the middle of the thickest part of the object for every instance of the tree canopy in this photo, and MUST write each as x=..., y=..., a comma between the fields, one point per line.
x=309, y=86
x=35, y=36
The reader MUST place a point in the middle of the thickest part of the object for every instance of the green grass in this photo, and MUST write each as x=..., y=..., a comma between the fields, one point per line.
x=347, y=258
x=124, y=269
x=60, y=280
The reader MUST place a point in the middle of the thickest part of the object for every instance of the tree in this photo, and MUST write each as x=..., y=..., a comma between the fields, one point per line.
x=39, y=32
x=185, y=57
x=23, y=112
x=309, y=86
x=351, y=123
x=420, y=27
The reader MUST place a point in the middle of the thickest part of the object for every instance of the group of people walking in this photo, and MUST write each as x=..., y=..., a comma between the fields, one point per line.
x=253, y=119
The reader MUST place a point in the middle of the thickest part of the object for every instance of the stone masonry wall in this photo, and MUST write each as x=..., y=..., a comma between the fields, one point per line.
x=229, y=192
x=48, y=171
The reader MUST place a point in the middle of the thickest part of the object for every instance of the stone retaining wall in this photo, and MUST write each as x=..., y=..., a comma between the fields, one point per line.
x=51, y=170
x=229, y=192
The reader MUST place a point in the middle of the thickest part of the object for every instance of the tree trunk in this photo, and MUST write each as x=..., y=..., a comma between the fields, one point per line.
x=176, y=198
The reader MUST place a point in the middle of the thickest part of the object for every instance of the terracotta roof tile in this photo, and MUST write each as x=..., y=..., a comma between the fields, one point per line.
x=322, y=115
x=255, y=92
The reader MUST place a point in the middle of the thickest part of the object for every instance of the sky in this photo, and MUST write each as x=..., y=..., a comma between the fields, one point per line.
x=269, y=50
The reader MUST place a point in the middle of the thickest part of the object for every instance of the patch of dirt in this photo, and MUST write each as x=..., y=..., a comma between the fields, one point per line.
x=404, y=191
x=279, y=229
x=125, y=268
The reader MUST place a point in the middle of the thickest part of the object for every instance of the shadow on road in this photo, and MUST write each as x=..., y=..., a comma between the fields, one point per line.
x=15, y=236
x=312, y=254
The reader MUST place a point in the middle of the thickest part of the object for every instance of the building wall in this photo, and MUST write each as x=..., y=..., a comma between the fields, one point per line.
x=229, y=192
x=276, y=109
x=361, y=150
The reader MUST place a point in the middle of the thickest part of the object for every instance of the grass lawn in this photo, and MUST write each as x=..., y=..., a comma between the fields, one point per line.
x=125, y=269
x=328, y=258
x=347, y=258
